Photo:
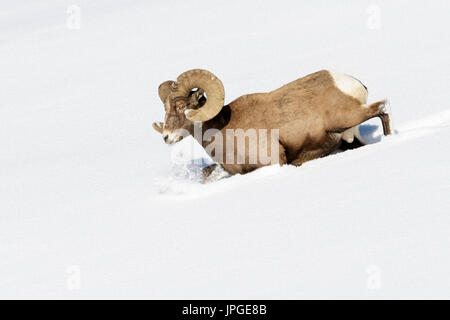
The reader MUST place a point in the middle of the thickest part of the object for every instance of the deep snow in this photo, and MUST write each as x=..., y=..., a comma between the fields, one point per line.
x=94, y=204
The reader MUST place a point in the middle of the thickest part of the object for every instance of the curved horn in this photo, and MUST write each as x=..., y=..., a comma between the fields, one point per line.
x=164, y=90
x=158, y=126
x=206, y=81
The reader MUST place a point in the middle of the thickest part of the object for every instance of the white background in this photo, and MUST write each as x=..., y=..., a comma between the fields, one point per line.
x=93, y=204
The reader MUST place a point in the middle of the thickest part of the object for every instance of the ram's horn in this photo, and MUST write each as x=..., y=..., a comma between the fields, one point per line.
x=158, y=126
x=164, y=90
x=204, y=80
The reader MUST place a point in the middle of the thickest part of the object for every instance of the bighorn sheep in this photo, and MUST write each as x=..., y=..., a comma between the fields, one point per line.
x=312, y=114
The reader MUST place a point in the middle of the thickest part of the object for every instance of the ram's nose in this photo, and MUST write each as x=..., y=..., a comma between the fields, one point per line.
x=165, y=137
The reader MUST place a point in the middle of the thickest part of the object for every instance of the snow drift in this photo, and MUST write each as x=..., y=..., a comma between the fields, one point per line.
x=94, y=205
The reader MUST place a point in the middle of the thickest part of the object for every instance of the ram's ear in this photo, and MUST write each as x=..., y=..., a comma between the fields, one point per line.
x=196, y=99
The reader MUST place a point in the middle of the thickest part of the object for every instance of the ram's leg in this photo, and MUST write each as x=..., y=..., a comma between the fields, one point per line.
x=282, y=159
x=358, y=114
x=378, y=109
x=214, y=172
x=386, y=122
x=206, y=171
x=331, y=143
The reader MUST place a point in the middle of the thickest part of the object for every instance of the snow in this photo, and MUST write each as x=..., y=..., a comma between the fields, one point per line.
x=93, y=204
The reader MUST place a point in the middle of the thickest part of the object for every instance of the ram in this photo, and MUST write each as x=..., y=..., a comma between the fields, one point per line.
x=311, y=116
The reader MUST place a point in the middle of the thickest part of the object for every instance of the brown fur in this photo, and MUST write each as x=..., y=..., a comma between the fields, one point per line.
x=310, y=114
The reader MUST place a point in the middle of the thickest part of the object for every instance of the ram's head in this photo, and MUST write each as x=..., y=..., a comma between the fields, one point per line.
x=196, y=95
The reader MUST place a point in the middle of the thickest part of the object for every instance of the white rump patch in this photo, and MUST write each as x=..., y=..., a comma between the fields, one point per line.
x=350, y=86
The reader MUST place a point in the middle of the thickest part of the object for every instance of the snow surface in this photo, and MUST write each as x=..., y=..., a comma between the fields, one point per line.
x=93, y=204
